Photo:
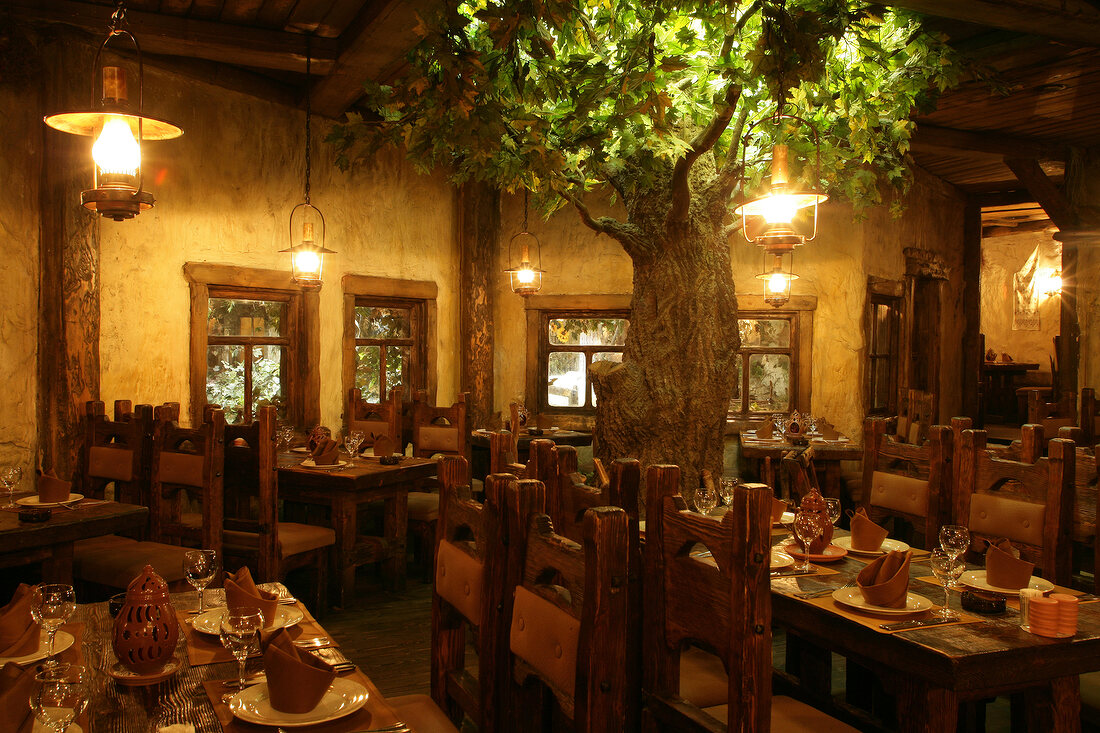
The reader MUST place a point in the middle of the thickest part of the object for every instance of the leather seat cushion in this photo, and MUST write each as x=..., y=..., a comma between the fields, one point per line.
x=703, y=679
x=191, y=519
x=423, y=507
x=293, y=537
x=116, y=569
x=422, y=714
x=105, y=542
x=791, y=716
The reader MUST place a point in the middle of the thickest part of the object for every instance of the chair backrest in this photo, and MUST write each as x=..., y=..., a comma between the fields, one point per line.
x=799, y=467
x=252, y=488
x=376, y=419
x=439, y=429
x=1052, y=415
x=568, y=634
x=1090, y=417
x=919, y=415
x=1030, y=503
x=117, y=452
x=187, y=464
x=503, y=454
x=908, y=481
x=732, y=586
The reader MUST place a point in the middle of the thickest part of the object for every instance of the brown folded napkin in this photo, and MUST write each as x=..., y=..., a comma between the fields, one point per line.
x=51, y=488
x=383, y=445
x=1004, y=569
x=296, y=679
x=318, y=435
x=778, y=507
x=16, y=685
x=241, y=592
x=828, y=432
x=885, y=581
x=866, y=535
x=326, y=453
x=765, y=430
x=18, y=631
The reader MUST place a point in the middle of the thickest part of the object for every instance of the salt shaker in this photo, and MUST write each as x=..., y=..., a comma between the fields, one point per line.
x=1026, y=594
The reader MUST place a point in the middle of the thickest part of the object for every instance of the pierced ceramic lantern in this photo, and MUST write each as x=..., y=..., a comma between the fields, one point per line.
x=146, y=628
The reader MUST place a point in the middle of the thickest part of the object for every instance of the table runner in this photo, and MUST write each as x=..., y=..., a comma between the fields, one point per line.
x=207, y=649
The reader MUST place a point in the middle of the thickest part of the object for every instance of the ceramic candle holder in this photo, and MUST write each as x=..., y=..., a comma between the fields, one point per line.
x=146, y=628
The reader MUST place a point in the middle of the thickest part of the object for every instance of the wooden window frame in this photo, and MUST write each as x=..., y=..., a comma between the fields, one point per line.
x=303, y=320
x=589, y=350
x=889, y=293
x=417, y=309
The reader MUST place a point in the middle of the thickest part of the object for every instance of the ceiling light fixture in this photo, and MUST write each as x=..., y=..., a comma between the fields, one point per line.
x=525, y=259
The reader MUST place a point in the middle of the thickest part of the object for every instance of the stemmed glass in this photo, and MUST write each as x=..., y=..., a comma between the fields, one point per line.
x=238, y=630
x=352, y=441
x=779, y=420
x=833, y=506
x=52, y=604
x=10, y=477
x=806, y=527
x=284, y=436
x=947, y=568
x=955, y=539
x=706, y=499
x=726, y=488
x=199, y=567
x=59, y=694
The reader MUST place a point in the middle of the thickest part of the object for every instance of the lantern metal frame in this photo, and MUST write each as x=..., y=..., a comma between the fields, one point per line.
x=772, y=296
x=524, y=271
x=116, y=200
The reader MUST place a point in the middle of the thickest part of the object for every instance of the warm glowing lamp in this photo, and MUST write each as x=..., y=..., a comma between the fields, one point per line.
x=525, y=259
x=769, y=220
x=1049, y=282
x=777, y=280
x=119, y=132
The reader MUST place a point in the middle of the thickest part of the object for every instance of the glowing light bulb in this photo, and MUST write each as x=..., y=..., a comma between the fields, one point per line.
x=116, y=150
x=779, y=208
x=307, y=262
x=777, y=282
x=525, y=276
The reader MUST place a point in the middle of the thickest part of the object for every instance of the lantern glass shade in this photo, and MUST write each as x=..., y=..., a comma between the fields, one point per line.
x=782, y=217
x=307, y=246
x=525, y=264
x=777, y=279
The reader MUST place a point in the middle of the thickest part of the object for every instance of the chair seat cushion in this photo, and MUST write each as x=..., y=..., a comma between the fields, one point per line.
x=191, y=519
x=791, y=716
x=703, y=679
x=116, y=569
x=422, y=714
x=423, y=507
x=106, y=542
x=293, y=537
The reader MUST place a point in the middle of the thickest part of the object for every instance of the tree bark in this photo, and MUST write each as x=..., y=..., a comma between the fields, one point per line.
x=480, y=216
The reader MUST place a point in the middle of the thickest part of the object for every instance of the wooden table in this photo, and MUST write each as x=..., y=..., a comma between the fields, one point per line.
x=343, y=492
x=827, y=458
x=479, y=446
x=51, y=542
x=931, y=670
x=999, y=382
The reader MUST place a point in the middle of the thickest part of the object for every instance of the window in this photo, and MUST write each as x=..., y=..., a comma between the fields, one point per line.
x=387, y=347
x=570, y=343
x=882, y=355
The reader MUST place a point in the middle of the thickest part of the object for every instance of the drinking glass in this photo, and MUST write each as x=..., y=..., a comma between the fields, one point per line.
x=779, y=420
x=706, y=499
x=726, y=488
x=806, y=528
x=811, y=424
x=833, y=506
x=955, y=538
x=10, y=477
x=947, y=568
x=199, y=567
x=59, y=694
x=352, y=441
x=52, y=604
x=238, y=631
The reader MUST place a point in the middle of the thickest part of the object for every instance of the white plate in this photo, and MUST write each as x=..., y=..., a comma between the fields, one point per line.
x=33, y=500
x=852, y=597
x=210, y=621
x=888, y=545
x=253, y=705
x=976, y=579
x=785, y=519
x=300, y=449
x=308, y=463
x=780, y=559
x=40, y=728
x=61, y=641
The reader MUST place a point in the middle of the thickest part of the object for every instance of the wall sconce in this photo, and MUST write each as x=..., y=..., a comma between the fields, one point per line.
x=1049, y=282
x=777, y=280
x=118, y=192
x=525, y=259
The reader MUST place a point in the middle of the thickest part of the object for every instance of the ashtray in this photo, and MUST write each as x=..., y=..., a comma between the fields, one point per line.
x=389, y=460
x=35, y=513
x=534, y=431
x=982, y=602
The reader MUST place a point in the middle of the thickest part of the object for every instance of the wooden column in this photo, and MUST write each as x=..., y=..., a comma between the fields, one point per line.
x=68, y=327
x=972, y=307
x=479, y=237
x=1069, y=327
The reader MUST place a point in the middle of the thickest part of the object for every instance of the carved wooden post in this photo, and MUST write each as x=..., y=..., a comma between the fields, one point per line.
x=479, y=235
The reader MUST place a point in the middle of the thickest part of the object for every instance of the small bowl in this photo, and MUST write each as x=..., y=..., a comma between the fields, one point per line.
x=114, y=604
x=35, y=513
x=389, y=460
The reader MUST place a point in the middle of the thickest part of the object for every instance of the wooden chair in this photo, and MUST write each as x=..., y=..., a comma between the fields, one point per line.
x=916, y=416
x=1086, y=550
x=733, y=588
x=376, y=419
x=1030, y=503
x=504, y=454
x=568, y=633
x=908, y=482
x=271, y=548
x=439, y=430
x=424, y=507
x=1052, y=415
x=1090, y=417
x=116, y=452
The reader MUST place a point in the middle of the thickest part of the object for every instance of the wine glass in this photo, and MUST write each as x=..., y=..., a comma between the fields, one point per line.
x=10, y=477
x=237, y=633
x=779, y=420
x=954, y=538
x=352, y=441
x=726, y=488
x=833, y=506
x=811, y=424
x=806, y=527
x=59, y=694
x=52, y=604
x=199, y=567
x=706, y=498
x=947, y=568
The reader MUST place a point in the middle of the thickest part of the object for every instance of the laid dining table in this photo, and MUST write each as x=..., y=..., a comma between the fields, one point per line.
x=768, y=452
x=342, y=490
x=50, y=543
x=999, y=382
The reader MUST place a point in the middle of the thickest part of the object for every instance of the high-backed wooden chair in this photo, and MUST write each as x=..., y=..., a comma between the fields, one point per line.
x=733, y=587
x=504, y=454
x=1030, y=503
x=908, y=482
x=423, y=507
x=1086, y=550
x=916, y=416
x=439, y=429
x=568, y=633
x=1052, y=415
x=270, y=548
x=116, y=452
x=1090, y=417
x=376, y=419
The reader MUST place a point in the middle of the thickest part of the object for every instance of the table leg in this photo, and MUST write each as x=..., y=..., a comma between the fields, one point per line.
x=396, y=523
x=1055, y=707
x=345, y=524
x=768, y=476
x=926, y=709
x=58, y=567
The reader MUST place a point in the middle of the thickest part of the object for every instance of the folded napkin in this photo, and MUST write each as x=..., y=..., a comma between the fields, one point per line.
x=1004, y=568
x=296, y=679
x=16, y=685
x=885, y=581
x=383, y=445
x=827, y=431
x=317, y=435
x=241, y=592
x=326, y=452
x=51, y=488
x=18, y=631
x=765, y=430
x=778, y=507
x=866, y=535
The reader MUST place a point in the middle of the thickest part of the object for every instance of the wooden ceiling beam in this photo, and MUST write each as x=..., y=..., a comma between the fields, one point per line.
x=985, y=142
x=1022, y=228
x=204, y=39
x=1049, y=196
x=1002, y=198
x=1069, y=21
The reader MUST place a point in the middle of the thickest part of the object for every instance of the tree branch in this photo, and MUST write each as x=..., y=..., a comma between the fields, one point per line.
x=626, y=234
x=727, y=42
x=731, y=169
x=704, y=141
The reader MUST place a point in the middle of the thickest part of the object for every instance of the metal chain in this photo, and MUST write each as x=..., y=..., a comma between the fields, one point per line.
x=118, y=18
x=309, y=140
x=524, y=208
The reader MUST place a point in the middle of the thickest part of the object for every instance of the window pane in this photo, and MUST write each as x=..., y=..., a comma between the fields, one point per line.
x=373, y=322
x=769, y=382
x=735, y=402
x=368, y=370
x=239, y=317
x=767, y=333
x=588, y=331
x=880, y=329
x=567, y=382
x=225, y=380
x=268, y=368
x=614, y=356
x=397, y=361
x=880, y=384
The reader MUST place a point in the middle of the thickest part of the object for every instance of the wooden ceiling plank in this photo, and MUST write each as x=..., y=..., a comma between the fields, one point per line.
x=206, y=9
x=231, y=77
x=1069, y=21
x=1021, y=228
x=1057, y=206
x=241, y=11
x=274, y=13
x=308, y=15
x=175, y=7
x=987, y=142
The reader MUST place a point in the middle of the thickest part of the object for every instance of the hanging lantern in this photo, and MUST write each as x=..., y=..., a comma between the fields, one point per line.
x=777, y=279
x=119, y=132
x=525, y=259
x=307, y=224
